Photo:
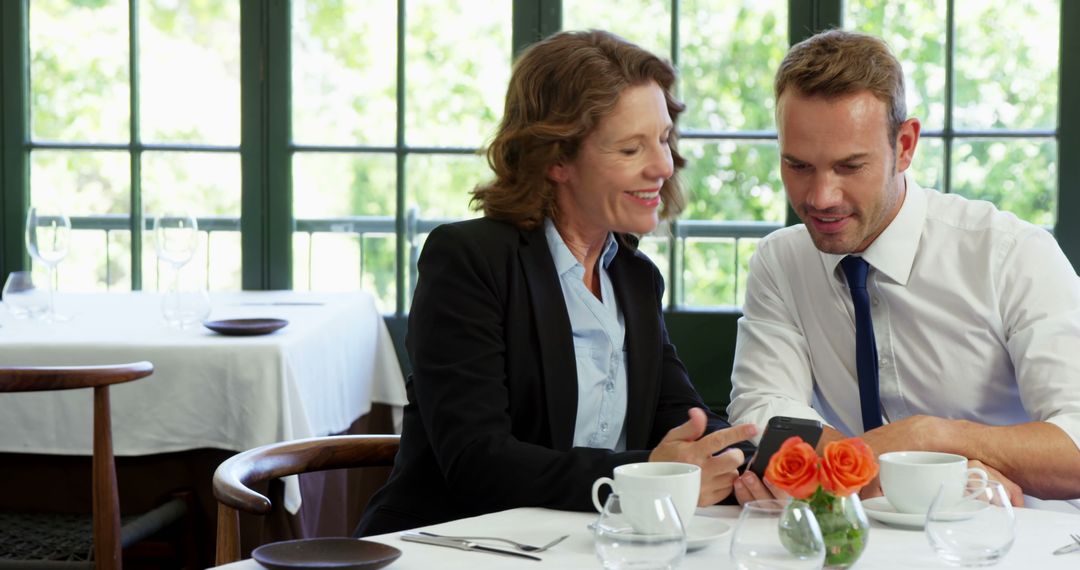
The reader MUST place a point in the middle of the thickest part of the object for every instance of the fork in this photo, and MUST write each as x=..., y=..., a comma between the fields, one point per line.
x=518, y=545
x=1070, y=547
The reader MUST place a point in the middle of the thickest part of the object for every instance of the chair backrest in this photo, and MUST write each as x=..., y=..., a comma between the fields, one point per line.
x=233, y=478
x=105, y=495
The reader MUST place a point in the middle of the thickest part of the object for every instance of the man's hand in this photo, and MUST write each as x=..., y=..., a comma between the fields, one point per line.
x=685, y=444
x=1016, y=494
x=748, y=487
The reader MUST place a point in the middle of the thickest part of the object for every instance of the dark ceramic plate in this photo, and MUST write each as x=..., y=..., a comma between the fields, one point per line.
x=245, y=327
x=339, y=553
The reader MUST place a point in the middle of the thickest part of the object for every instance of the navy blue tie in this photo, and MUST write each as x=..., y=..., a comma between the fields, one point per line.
x=866, y=362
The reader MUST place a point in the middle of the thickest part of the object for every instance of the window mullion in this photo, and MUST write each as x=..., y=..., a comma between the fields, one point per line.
x=948, y=135
x=534, y=20
x=14, y=129
x=1068, y=234
x=265, y=156
x=135, y=149
x=402, y=240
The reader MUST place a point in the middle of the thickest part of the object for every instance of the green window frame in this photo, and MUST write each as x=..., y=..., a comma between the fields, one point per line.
x=267, y=223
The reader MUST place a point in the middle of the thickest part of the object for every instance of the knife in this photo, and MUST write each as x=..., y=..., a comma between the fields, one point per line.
x=462, y=545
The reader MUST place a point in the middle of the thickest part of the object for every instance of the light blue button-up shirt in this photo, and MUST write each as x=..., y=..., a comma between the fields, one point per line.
x=599, y=334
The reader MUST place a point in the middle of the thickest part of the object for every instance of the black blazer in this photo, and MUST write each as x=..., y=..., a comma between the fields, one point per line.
x=493, y=395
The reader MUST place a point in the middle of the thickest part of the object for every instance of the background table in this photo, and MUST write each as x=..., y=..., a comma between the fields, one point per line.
x=1038, y=534
x=210, y=395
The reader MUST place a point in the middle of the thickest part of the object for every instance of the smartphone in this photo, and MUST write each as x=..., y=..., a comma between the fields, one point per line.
x=777, y=431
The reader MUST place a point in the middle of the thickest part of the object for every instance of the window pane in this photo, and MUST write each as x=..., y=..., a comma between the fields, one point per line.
x=1007, y=64
x=189, y=55
x=644, y=22
x=915, y=31
x=440, y=186
x=85, y=184
x=346, y=260
x=455, y=95
x=709, y=278
x=928, y=168
x=333, y=185
x=79, y=71
x=728, y=54
x=656, y=246
x=204, y=185
x=733, y=180
x=1020, y=176
x=346, y=205
x=344, y=72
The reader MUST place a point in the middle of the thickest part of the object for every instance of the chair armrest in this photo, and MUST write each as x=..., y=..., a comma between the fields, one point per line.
x=233, y=477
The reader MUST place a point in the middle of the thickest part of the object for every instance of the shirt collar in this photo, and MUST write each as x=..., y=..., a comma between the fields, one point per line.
x=560, y=254
x=893, y=252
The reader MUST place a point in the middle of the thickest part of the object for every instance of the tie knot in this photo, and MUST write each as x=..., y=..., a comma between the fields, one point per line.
x=855, y=269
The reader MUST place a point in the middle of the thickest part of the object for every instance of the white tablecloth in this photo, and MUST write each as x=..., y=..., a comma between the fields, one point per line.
x=314, y=377
x=1038, y=534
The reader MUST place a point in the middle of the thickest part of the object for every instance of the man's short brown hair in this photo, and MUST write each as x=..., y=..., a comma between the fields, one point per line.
x=836, y=63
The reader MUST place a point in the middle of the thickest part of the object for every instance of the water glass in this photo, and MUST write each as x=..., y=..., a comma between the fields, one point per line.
x=22, y=297
x=777, y=534
x=625, y=542
x=182, y=308
x=978, y=530
x=48, y=236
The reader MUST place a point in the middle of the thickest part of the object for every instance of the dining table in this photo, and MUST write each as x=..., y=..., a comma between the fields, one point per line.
x=1038, y=534
x=211, y=395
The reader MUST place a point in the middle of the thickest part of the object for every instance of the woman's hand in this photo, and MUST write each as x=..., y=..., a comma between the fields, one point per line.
x=685, y=444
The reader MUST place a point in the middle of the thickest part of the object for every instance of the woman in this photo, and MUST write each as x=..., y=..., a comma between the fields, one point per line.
x=540, y=358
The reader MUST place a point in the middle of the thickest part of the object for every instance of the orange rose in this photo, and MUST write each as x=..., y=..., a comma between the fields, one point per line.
x=847, y=466
x=794, y=468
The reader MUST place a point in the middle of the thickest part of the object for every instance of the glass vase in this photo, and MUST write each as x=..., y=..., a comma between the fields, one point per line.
x=844, y=527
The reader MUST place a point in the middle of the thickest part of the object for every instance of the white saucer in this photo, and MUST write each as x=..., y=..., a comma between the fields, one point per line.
x=880, y=509
x=703, y=531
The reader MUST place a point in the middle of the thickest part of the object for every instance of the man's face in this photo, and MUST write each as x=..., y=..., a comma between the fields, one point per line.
x=842, y=175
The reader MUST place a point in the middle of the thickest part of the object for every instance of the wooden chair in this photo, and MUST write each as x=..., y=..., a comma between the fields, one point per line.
x=108, y=535
x=234, y=476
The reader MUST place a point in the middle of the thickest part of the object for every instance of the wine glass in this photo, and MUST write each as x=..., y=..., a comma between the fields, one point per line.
x=639, y=532
x=976, y=529
x=47, y=238
x=176, y=237
x=777, y=534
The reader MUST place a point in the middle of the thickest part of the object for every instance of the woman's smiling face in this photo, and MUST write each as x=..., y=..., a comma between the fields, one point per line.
x=613, y=184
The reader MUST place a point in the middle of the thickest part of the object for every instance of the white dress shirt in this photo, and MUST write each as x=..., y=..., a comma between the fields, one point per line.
x=599, y=350
x=976, y=316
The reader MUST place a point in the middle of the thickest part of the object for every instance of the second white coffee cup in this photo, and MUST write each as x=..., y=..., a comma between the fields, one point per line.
x=638, y=484
x=911, y=479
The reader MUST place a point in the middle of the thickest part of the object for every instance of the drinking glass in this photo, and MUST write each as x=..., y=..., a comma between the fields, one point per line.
x=977, y=530
x=777, y=534
x=22, y=298
x=47, y=239
x=176, y=237
x=639, y=532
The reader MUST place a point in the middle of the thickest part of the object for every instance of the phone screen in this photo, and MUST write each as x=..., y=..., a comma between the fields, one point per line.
x=777, y=431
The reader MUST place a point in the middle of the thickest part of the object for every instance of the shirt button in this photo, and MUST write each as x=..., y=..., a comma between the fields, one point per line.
x=883, y=361
x=603, y=426
x=874, y=301
x=610, y=386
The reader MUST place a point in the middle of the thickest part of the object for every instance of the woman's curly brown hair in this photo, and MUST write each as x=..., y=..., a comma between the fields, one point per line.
x=559, y=90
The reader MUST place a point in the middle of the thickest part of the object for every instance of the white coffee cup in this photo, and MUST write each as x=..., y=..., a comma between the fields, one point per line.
x=911, y=479
x=638, y=484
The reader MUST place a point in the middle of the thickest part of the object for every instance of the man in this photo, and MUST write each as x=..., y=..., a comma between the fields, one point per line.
x=965, y=336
